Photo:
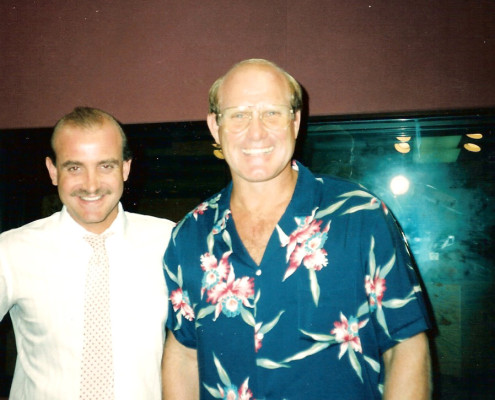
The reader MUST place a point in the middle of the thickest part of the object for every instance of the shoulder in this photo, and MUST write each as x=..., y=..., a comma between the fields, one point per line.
x=336, y=190
x=329, y=185
x=36, y=229
x=150, y=223
x=205, y=215
x=339, y=197
x=339, y=186
x=147, y=232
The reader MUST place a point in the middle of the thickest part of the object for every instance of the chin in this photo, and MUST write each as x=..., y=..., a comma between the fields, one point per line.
x=259, y=177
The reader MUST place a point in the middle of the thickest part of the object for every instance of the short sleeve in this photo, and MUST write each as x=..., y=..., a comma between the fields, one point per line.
x=392, y=283
x=181, y=314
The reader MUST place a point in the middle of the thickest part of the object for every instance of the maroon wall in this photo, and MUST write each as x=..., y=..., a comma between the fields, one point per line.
x=154, y=60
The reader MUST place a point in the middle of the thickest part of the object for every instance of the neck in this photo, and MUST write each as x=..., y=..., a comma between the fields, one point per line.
x=258, y=197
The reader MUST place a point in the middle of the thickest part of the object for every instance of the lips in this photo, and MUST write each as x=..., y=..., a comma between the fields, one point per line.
x=264, y=150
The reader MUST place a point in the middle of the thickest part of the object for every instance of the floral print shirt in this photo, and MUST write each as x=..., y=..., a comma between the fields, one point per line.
x=335, y=289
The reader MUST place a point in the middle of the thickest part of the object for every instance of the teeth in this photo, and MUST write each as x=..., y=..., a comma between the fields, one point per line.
x=257, y=151
x=91, y=198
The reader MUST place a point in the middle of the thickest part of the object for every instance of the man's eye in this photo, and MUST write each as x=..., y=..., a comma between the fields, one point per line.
x=271, y=114
x=73, y=168
x=239, y=115
x=107, y=166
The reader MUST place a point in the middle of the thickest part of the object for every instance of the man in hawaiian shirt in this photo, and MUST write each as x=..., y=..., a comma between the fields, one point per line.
x=285, y=285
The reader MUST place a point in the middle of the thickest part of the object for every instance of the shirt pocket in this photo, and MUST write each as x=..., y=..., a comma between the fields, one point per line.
x=320, y=311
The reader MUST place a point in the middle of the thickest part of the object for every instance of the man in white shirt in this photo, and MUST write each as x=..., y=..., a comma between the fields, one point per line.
x=43, y=270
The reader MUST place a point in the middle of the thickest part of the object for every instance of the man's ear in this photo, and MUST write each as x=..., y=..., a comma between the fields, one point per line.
x=52, y=170
x=126, y=169
x=297, y=123
x=211, y=120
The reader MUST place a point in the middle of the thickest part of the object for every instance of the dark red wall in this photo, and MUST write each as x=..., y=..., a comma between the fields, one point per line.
x=154, y=60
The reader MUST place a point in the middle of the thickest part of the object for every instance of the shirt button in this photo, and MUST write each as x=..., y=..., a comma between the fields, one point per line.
x=258, y=272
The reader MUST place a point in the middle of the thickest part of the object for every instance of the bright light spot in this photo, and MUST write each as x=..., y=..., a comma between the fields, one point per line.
x=403, y=138
x=472, y=147
x=402, y=147
x=474, y=135
x=399, y=185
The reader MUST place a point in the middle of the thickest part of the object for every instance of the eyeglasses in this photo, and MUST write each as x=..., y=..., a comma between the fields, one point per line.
x=273, y=117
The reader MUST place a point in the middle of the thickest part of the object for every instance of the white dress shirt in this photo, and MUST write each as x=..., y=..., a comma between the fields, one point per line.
x=42, y=278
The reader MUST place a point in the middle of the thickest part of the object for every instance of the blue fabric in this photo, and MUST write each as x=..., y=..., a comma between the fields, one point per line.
x=335, y=289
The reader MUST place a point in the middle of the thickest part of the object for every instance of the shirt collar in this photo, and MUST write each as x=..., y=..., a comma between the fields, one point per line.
x=70, y=227
x=307, y=189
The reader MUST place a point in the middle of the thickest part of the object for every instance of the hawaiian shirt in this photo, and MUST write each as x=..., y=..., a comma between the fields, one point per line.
x=335, y=289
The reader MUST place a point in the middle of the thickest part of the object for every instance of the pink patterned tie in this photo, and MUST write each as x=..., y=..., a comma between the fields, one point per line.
x=97, y=381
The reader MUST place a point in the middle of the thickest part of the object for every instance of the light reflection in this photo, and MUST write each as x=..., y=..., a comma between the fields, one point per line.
x=402, y=147
x=472, y=147
x=399, y=185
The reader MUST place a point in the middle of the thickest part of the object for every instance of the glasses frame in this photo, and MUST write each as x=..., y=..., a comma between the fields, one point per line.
x=258, y=108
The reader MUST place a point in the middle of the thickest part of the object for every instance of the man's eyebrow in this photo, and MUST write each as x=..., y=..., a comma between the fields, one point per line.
x=109, y=161
x=71, y=163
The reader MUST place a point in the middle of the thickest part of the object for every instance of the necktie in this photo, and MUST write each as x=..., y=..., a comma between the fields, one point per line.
x=97, y=381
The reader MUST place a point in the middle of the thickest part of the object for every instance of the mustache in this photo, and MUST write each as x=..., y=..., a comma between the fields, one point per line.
x=85, y=193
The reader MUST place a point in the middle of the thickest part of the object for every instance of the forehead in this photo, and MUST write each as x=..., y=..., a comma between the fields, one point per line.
x=71, y=140
x=253, y=84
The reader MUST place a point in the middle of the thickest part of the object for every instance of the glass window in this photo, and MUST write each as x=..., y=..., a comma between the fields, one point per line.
x=437, y=175
x=435, y=171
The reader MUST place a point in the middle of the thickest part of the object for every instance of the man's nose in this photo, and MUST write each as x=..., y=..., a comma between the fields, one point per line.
x=92, y=181
x=256, y=129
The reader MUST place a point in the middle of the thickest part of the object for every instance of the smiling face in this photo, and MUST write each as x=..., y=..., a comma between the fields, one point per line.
x=256, y=154
x=90, y=173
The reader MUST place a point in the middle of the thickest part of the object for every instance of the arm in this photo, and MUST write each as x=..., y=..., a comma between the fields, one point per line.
x=180, y=377
x=407, y=370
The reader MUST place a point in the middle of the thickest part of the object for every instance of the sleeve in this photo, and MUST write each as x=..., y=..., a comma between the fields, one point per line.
x=395, y=295
x=5, y=293
x=181, y=318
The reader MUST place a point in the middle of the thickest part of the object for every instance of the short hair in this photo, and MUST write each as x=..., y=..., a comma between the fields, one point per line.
x=296, y=101
x=88, y=117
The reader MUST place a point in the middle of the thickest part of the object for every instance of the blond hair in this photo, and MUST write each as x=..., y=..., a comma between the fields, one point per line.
x=296, y=92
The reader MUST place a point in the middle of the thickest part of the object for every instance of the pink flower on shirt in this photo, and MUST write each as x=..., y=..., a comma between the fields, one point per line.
x=214, y=272
x=181, y=303
x=305, y=245
x=232, y=294
x=375, y=289
x=233, y=393
x=199, y=210
x=244, y=391
x=347, y=333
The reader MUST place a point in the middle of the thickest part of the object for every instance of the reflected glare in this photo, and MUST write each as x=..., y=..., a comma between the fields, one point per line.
x=399, y=185
x=474, y=135
x=402, y=147
x=472, y=147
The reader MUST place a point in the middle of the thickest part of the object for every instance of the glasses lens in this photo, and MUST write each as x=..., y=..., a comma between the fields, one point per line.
x=276, y=117
x=237, y=119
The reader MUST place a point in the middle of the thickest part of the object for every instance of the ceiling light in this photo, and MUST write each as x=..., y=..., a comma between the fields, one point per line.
x=402, y=147
x=474, y=135
x=472, y=147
